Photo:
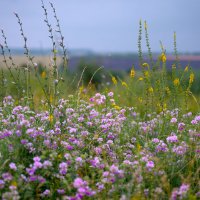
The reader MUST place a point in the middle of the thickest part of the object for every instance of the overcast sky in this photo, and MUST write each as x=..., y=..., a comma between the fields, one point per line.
x=106, y=25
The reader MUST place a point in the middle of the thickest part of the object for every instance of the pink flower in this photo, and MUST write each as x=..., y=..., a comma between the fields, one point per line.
x=150, y=165
x=78, y=182
x=173, y=120
x=13, y=166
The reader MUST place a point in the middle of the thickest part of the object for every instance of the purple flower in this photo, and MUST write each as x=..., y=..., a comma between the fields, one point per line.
x=2, y=183
x=172, y=139
x=110, y=94
x=7, y=176
x=63, y=168
x=78, y=182
x=150, y=165
x=46, y=193
x=60, y=191
x=36, y=159
x=13, y=166
x=47, y=164
x=173, y=120
x=181, y=126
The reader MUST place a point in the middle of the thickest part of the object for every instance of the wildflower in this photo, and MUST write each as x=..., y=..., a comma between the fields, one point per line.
x=50, y=118
x=146, y=74
x=191, y=78
x=145, y=65
x=132, y=73
x=150, y=90
x=2, y=183
x=60, y=191
x=114, y=80
x=110, y=94
x=163, y=57
x=176, y=82
x=51, y=99
x=167, y=90
x=186, y=68
x=13, y=166
x=46, y=193
x=140, y=79
x=150, y=165
x=78, y=182
x=124, y=84
x=180, y=150
x=63, y=168
x=140, y=99
x=43, y=74
x=173, y=120
x=172, y=139
x=181, y=126
x=117, y=107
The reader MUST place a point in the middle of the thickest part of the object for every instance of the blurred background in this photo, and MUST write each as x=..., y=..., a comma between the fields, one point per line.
x=104, y=31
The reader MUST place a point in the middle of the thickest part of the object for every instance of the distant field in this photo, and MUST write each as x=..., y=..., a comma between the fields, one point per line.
x=114, y=62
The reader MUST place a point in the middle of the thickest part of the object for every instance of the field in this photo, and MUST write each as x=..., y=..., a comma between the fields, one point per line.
x=95, y=133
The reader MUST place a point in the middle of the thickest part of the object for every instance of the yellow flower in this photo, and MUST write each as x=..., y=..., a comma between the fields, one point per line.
x=191, y=78
x=145, y=65
x=146, y=74
x=43, y=74
x=186, y=68
x=124, y=84
x=51, y=98
x=114, y=80
x=167, y=90
x=140, y=99
x=176, y=82
x=163, y=57
x=14, y=183
x=81, y=89
x=132, y=73
x=59, y=156
x=50, y=118
x=117, y=107
x=138, y=147
x=140, y=78
x=150, y=90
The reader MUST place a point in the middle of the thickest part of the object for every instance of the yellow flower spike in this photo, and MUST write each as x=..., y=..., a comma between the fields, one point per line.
x=186, y=68
x=138, y=147
x=132, y=73
x=176, y=82
x=140, y=79
x=81, y=89
x=114, y=80
x=14, y=183
x=140, y=99
x=167, y=90
x=146, y=74
x=51, y=118
x=150, y=90
x=163, y=57
x=43, y=74
x=51, y=98
x=59, y=156
x=124, y=84
x=165, y=106
x=191, y=78
x=117, y=107
x=145, y=65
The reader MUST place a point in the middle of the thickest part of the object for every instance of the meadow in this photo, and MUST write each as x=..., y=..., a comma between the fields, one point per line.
x=73, y=136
